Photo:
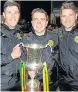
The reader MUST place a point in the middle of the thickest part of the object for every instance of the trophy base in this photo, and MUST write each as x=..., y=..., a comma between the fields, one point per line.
x=33, y=85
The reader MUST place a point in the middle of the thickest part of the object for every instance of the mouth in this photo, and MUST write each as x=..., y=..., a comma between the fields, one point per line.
x=12, y=19
x=39, y=26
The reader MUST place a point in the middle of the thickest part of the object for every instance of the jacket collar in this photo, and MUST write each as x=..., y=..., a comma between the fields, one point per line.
x=33, y=31
x=72, y=30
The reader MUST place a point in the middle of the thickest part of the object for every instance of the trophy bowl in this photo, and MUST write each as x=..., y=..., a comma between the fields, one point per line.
x=33, y=65
x=34, y=60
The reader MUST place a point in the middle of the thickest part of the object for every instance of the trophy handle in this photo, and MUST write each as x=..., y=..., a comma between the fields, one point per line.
x=22, y=76
x=45, y=78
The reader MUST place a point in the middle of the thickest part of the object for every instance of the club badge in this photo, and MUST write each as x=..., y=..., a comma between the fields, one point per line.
x=76, y=39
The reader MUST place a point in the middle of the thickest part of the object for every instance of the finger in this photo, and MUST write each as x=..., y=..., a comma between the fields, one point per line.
x=16, y=47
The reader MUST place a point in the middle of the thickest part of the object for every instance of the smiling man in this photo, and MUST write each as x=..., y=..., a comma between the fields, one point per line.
x=68, y=46
x=9, y=67
x=41, y=35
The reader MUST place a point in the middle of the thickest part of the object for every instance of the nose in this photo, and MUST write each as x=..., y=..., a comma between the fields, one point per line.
x=12, y=15
x=39, y=21
x=67, y=18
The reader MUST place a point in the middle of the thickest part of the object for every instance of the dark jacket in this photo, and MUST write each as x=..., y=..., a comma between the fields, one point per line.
x=48, y=56
x=68, y=65
x=9, y=66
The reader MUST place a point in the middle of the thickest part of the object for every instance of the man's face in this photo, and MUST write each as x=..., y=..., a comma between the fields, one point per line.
x=68, y=17
x=11, y=15
x=39, y=22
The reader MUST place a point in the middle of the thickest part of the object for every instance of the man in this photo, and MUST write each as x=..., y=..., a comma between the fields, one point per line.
x=68, y=46
x=40, y=35
x=9, y=38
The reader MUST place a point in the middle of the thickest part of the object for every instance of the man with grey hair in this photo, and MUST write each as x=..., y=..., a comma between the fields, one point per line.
x=68, y=46
x=9, y=67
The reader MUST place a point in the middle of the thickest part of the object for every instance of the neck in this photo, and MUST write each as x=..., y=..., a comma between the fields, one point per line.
x=40, y=33
x=10, y=27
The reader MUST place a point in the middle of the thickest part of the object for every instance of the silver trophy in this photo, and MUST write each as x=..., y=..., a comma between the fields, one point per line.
x=34, y=62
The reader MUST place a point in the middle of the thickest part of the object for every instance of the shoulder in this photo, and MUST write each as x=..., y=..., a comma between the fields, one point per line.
x=76, y=32
x=57, y=30
x=26, y=35
x=3, y=30
x=52, y=34
x=3, y=27
x=76, y=29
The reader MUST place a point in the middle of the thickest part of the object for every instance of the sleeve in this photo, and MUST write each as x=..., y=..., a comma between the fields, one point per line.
x=5, y=51
x=5, y=58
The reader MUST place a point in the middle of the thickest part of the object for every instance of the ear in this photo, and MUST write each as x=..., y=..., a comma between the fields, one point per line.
x=3, y=14
x=60, y=19
x=31, y=22
x=76, y=15
x=46, y=23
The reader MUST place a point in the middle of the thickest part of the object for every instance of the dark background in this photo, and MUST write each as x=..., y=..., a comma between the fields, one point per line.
x=28, y=6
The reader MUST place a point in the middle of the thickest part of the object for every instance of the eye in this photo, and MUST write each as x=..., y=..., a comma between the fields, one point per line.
x=9, y=12
x=16, y=12
x=34, y=19
x=63, y=16
x=42, y=19
x=71, y=15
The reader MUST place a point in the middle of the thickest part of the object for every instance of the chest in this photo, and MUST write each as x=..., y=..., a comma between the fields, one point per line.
x=69, y=42
x=7, y=43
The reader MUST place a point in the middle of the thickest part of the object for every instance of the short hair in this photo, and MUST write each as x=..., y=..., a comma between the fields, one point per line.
x=11, y=3
x=41, y=11
x=68, y=5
